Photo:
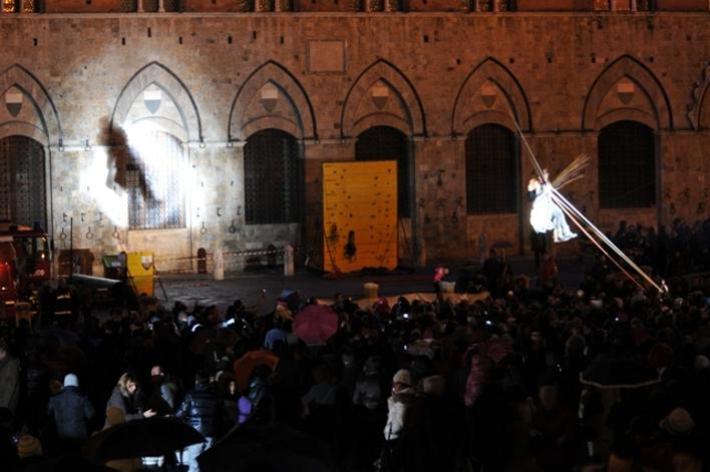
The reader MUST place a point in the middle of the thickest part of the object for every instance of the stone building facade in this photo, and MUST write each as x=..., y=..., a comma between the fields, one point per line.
x=147, y=131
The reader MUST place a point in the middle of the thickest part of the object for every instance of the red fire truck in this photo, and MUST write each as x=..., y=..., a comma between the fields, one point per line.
x=24, y=264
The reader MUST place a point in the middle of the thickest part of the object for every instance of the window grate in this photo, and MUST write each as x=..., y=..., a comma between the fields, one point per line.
x=491, y=175
x=384, y=143
x=156, y=197
x=22, y=181
x=272, y=178
x=627, y=170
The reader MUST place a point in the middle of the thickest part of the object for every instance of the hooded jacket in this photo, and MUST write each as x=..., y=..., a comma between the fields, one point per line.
x=70, y=410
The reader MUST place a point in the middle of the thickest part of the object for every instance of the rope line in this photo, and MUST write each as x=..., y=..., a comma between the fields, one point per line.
x=573, y=213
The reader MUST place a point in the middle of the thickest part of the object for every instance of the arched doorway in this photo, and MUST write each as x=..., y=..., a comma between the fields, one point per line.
x=22, y=181
x=273, y=175
x=627, y=166
x=155, y=180
x=491, y=170
x=384, y=143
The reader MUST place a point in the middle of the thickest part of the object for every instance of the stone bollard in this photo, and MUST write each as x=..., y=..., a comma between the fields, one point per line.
x=218, y=265
x=289, y=270
x=370, y=290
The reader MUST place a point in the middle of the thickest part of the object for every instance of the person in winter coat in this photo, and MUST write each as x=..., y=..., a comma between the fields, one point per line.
x=164, y=394
x=403, y=396
x=202, y=410
x=368, y=389
x=125, y=397
x=479, y=376
x=260, y=396
x=9, y=379
x=552, y=432
x=369, y=413
x=434, y=425
x=71, y=410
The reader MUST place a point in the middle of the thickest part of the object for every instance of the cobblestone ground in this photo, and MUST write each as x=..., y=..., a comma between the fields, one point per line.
x=249, y=286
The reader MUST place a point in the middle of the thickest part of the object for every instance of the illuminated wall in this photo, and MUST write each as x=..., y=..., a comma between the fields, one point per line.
x=88, y=84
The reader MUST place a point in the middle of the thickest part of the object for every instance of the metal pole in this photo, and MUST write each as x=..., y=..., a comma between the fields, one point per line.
x=71, y=247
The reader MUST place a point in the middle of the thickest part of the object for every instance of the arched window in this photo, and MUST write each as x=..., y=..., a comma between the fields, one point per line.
x=22, y=181
x=272, y=178
x=491, y=170
x=384, y=143
x=627, y=166
x=156, y=180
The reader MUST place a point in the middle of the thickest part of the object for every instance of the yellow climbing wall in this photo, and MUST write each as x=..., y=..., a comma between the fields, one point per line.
x=359, y=215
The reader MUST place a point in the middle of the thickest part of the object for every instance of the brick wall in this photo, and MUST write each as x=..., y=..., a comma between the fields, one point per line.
x=103, y=6
x=557, y=71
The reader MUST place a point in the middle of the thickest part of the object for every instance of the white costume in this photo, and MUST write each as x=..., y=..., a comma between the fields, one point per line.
x=546, y=216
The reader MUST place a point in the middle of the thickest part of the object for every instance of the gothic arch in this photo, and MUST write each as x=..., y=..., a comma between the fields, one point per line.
x=471, y=110
x=358, y=115
x=20, y=128
x=292, y=114
x=699, y=109
x=20, y=77
x=168, y=81
x=627, y=67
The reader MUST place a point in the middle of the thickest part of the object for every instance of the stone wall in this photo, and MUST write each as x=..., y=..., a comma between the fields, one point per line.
x=558, y=74
x=104, y=6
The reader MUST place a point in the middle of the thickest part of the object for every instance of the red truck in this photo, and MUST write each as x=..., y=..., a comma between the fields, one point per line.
x=24, y=264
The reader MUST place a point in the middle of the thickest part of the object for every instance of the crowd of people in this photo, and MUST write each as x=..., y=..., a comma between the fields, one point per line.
x=682, y=250
x=453, y=384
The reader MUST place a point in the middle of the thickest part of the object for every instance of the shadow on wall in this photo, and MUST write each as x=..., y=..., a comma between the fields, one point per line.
x=125, y=168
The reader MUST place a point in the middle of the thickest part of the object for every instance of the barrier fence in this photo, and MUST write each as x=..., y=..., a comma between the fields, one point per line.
x=204, y=262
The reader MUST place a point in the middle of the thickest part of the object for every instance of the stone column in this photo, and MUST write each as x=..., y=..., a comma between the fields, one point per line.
x=218, y=269
x=289, y=270
x=161, y=6
x=140, y=9
x=8, y=6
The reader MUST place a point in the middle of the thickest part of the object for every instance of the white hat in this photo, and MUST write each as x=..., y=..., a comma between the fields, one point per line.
x=71, y=380
x=403, y=377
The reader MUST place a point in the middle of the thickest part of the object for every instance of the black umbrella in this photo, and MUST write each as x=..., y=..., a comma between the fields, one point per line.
x=267, y=448
x=141, y=438
x=618, y=372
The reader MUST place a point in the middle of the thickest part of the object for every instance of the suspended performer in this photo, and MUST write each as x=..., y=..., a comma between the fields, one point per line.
x=545, y=214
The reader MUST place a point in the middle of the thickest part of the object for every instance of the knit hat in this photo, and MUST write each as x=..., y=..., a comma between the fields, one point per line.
x=678, y=422
x=403, y=377
x=28, y=446
x=71, y=380
x=115, y=416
